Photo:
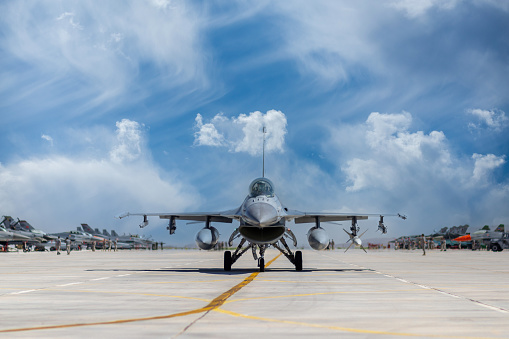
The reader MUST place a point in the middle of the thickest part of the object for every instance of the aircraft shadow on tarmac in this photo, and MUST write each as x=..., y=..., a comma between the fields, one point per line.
x=220, y=271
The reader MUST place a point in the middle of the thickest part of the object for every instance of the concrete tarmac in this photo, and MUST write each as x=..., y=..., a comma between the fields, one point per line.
x=186, y=294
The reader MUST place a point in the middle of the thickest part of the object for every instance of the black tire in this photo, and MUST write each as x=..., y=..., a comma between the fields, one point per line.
x=496, y=247
x=227, y=261
x=261, y=263
x=298, y=261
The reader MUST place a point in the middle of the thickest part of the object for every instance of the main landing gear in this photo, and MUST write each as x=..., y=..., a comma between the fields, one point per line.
x=230, y=258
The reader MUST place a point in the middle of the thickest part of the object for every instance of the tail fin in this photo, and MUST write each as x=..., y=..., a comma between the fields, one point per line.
x=7, y=221
x=25, y=225
x=79, y=229
x=87, y=228
x=500, y=228
x=114, y=233
x=106, y=233
x=97, y=231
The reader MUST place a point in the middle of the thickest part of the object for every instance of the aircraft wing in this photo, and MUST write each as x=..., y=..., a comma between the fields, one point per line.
x=224, y=217
x=310, y=217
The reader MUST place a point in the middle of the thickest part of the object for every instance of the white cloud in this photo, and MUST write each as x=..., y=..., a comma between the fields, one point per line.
x=391, y=148
x=207, y=134
x=98, y=51
x=416, y=8
x=47, y=138
x=129, y=138
x=329, y=40
x=492, y=119
x=58, y=192
x=243, y=133
x=389, y=167
x=484, y=165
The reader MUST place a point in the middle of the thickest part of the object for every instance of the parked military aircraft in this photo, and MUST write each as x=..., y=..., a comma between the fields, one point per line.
x=34, y=236
x=8, y=237
x=100, y=237
x=78, y=237
x=483, y=235
x=262, y=220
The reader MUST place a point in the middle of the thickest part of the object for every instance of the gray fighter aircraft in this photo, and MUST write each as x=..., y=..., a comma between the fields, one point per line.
x=34, y=236
x=8, y=237
x=99, y=238
x=263, y=219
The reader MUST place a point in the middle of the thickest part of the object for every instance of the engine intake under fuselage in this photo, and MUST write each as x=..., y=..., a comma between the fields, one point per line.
x=260, y=235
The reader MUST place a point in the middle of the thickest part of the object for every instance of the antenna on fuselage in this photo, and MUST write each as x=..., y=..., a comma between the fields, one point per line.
x=263, y=152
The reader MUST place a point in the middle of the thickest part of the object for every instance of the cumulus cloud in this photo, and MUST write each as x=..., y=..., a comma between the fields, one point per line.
x=385, y=163
x=207, y=134
x=490, y=119
x=484, y=165
x=243, y=133
x=58, y=192
x=392, y=147
x=129, y=138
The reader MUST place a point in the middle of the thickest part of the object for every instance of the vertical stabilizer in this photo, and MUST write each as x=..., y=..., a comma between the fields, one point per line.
x=106, y=233
x=500, y=228
x=87, y=228
x=114, y=233
x=25, y=226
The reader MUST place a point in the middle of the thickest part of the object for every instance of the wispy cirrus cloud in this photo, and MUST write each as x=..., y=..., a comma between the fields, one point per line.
x=80, y=51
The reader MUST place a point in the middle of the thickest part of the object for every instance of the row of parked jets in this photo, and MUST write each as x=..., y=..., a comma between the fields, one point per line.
x=21, y=232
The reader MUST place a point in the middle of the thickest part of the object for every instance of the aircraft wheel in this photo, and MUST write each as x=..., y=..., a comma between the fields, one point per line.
x=298, y=260
x=261, y=263
x=496, y=247
x=227, y=261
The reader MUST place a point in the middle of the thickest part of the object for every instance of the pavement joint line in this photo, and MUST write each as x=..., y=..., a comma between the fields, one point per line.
x=103, y=278
x=477, y=302
x=22, y=292
x=214, y=304
x=336, y=328
x=70, y=284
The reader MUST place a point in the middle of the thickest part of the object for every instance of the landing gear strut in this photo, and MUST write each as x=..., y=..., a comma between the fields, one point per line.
x=294, y=258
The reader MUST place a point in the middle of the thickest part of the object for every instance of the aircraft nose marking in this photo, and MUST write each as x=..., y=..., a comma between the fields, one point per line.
x=261, y=213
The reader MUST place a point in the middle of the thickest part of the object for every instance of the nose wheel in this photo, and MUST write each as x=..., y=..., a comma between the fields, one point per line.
x=227, y=261
x=261, y=264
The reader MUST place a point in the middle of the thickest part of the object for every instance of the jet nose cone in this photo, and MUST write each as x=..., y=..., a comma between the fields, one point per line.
x=357, y=241
x=261, y=214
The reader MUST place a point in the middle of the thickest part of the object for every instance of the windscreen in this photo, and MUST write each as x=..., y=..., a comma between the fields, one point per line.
x=261, y=186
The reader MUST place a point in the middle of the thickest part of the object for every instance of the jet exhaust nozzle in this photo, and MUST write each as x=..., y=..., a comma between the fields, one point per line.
x=207, y=238
x=318, y=238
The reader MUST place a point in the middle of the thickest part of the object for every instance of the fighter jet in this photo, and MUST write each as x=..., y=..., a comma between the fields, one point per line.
x=15, y=227
x=100, y=237
x=7, y=237
x=77, y=237
x=25, y=226
x=483, y=235
x=262, y=219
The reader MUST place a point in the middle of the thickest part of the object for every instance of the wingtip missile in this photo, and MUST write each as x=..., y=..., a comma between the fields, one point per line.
x=123, y=215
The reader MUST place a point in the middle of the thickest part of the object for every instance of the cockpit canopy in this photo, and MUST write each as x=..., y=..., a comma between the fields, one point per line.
x=261, y=186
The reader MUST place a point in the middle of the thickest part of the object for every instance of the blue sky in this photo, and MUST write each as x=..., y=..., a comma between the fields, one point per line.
x=156, y=106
